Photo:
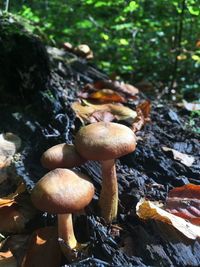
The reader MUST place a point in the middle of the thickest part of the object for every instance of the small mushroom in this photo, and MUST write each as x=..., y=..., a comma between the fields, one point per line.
x=61, y=156
x=105, y=142
x=84, y=51
x=64, y=192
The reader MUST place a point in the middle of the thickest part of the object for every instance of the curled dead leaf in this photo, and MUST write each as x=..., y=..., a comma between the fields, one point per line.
x=90, y=113
x=106, y=95
x=148, y=210
x=14, y=221
x=43, y=249
x=7, y=259
x=16, y=210
x=124, y=89
x=10, y=199
x=17, y=244
x=143, y=116
x=183, y=158
x=184, y=201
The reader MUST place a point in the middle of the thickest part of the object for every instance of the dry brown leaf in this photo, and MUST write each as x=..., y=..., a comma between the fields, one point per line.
x=16, y=216
x=184, y=201
x=148, y=210
x=183, y=158
x=17, y=244
x=13, y=220
x=106, y=96
x=124, y=89
x=90, y=113
x=10, y=199
x=43, y=249
x=143, y=115
x=129, y=89
x=7, y=259
x=105, y=116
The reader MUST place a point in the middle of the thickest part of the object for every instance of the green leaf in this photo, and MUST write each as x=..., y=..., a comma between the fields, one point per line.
x=122, y=26
x=196, y=58
x=194, y=10
x=104, y=36
x=123, y=41
x=84, y=24
x=102, y=4
x=132, y=6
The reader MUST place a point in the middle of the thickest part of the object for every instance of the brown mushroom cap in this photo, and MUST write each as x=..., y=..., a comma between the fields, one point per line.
x=61, y=156
x=104, y=141
x=62, y=191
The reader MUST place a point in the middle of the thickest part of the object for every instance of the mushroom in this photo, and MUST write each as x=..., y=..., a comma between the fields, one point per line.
x=105, y=142
x=61, y=156
x=64, y=192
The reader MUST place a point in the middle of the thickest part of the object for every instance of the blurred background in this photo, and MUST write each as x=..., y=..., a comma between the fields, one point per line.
x=150, y=43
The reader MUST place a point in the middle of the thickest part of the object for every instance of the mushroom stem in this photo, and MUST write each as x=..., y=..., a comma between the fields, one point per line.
x=108, y=200
x=66, y=232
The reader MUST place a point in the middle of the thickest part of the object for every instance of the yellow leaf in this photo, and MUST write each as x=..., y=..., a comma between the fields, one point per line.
x=147, y=210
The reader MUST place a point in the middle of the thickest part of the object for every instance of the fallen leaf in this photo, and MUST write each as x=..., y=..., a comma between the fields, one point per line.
x=124, y=89
x=17, y=244
x=7, y=259
x=148, y=210
x=13, y=220
x=18, y=214
x=143, y=116
x=184, y=201
x=105, y=116
x=90, y=113
x=183, y=158
x=191, y=106
x=43, y=249
x=106, y=95
x=10, y=199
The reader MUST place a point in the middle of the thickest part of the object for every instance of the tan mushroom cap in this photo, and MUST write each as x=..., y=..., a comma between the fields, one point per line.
x=104, y=141
x=62, y=191
x=61, y=156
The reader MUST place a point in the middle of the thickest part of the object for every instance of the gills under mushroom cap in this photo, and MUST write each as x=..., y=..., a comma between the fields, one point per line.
x=62, y=191
x=104, y=141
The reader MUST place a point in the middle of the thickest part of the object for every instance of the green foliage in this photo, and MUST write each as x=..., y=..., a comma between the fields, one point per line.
x=192, y=122
x=155, y=40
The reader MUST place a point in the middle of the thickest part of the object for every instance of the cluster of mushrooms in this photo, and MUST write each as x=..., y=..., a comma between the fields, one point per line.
x=63, y=191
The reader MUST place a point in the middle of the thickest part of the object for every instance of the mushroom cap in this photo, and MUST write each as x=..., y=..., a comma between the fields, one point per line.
x=104, y=141
x=62, y=191
x=61, y=156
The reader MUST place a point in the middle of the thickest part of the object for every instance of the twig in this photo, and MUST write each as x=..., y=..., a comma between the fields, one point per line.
x=7, y=6
x=178, y=44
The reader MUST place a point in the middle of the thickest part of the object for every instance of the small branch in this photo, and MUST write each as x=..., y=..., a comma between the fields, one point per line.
x=178, y=40
x=7, y=6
